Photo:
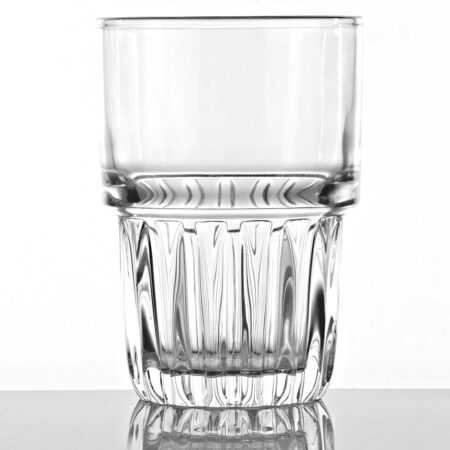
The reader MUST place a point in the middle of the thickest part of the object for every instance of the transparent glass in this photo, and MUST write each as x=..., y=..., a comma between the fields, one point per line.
x=231, y=152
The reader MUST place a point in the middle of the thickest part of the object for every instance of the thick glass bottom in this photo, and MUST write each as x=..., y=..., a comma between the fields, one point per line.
x=234, y=390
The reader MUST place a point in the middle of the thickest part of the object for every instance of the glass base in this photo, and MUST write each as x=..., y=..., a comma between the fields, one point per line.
x=231, y=391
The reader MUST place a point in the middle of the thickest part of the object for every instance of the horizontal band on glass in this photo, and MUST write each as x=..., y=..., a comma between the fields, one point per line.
x=230, y=22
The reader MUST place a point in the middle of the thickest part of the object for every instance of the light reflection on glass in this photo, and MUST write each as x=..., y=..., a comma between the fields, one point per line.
x=303, y=427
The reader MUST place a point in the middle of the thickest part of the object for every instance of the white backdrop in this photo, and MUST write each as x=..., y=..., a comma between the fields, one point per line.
x=60, y=303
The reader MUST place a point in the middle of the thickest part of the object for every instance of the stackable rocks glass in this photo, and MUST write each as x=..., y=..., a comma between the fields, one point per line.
x=231, y=152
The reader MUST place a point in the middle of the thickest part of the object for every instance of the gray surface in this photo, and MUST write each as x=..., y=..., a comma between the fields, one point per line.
x=362, y=419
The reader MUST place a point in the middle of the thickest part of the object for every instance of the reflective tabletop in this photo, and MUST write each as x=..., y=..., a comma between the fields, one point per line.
x=345, y=420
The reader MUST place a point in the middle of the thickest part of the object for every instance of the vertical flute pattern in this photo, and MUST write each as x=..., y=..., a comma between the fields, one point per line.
x=252, y=306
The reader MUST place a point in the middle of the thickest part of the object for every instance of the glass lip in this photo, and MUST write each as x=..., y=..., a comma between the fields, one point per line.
x=199, y=22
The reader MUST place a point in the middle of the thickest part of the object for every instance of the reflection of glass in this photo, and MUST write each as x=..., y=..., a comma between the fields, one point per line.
x=305, y=427
x=231, y=152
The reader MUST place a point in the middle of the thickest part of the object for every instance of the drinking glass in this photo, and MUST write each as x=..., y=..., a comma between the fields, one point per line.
x=231, y=153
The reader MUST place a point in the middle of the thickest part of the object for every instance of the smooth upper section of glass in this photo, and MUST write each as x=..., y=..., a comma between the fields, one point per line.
x=232, y=95
x=229, y=22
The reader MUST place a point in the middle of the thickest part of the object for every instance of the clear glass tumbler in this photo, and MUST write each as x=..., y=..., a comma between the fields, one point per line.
x=231, y=152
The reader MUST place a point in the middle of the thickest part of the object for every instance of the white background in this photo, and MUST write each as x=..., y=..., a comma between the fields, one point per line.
x=60, y=303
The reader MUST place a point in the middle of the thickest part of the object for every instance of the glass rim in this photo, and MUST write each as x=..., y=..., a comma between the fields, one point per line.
x=199, y=22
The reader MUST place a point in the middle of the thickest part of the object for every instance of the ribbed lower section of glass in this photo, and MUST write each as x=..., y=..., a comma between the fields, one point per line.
x=230, y=312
